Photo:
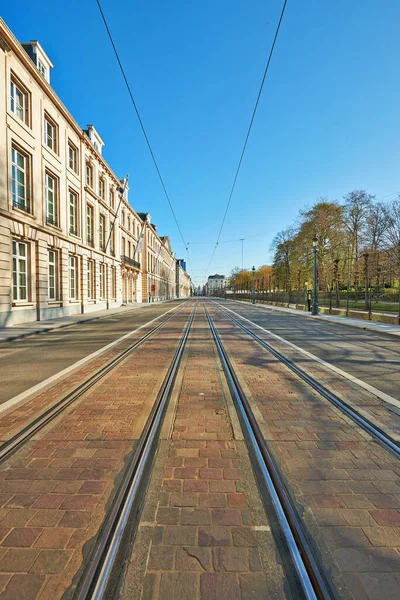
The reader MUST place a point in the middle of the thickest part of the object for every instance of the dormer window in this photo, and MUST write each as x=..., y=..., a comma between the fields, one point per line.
x=42, y=69
x=39, y=57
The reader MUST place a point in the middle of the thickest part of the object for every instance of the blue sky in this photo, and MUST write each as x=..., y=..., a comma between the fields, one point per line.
x=328, y=120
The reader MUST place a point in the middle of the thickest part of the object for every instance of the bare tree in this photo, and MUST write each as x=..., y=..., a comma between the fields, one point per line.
x=392, y=233
x=357, y=206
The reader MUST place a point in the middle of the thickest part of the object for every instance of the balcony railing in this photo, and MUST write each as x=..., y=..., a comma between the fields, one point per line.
x=51, y=220
x=129, y=261
x=21, y=205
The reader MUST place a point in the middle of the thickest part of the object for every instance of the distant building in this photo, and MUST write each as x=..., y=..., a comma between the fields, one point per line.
x=215, y=283
x=182, y=280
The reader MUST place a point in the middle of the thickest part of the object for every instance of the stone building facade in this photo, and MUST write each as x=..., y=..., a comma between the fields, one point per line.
x=215, y=284
x=68, y=235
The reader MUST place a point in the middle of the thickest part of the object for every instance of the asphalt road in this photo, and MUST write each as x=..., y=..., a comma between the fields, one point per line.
x=26, y=362
x=371, y=357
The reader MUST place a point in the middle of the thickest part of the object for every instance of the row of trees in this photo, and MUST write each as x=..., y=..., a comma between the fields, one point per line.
x=358, y=241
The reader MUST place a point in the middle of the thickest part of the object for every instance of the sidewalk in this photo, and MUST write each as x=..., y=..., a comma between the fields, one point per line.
x=7, y=334
x=375, y=326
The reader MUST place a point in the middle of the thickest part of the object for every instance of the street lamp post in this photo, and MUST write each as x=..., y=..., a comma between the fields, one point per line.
x=253, y=298
x=315, y=294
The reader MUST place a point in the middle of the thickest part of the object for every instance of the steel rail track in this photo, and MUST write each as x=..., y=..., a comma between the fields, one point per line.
x=98, y=577
x=312, y=580
x=380, y=436
x=20, y=438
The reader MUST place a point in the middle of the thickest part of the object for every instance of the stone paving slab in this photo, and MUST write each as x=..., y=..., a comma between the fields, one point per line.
x=204, y=541
x=31, y=328
x=365, y=325
x=381, y=413
x=347, y=486
x=54, y=492
x=14, y=419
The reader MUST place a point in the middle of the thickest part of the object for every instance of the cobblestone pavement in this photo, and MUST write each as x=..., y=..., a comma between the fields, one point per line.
x=381, y=413
x=346, y=486
x=198, y=538
x=13, y=420
x=53, y=493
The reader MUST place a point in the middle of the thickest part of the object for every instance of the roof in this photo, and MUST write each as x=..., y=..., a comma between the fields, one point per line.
x=216, y=277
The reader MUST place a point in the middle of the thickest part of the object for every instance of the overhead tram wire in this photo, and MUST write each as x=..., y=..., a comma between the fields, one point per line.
x=249, y=130
x=141, y=125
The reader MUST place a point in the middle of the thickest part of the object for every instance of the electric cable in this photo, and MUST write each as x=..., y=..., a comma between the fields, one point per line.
x=248, y=131
x=141, y=122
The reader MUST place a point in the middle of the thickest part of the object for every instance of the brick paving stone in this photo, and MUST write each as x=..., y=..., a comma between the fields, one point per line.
x=23, y=586
x=219, y=586
x=178, y=585
x=205, y=528
x=349, y=484
x=55, y=491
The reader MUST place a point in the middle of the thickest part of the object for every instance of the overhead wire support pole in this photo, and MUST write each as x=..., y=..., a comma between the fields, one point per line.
x=140, y=122
x=249, y=128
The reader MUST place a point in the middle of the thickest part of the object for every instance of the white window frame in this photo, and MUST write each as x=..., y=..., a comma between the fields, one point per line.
x=50, y=194
x=72, y=277
x=16, y=107
x=50, y=140
x=74, y=158
x=73, y=212
x=113, y=282
x=42, y=68
x=102, y=188
x=53, y=275
x=90, y=279
x=102, y=281
x=20, y=189
x=102, y=232
x=20, y=271
x=89, y=224
x=89, y=175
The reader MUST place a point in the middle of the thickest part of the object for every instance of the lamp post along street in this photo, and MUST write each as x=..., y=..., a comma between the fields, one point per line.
x=253, y=298
x=315, y=290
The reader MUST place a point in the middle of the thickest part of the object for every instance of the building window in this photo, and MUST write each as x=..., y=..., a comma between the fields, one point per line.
x=51, y=199
x=123, y=218
x=123, y=246
x=52, y=275
x=19, y=180
x=19, y=101
x=20, y=271
x=90, y=279
x=102, y=188
x=73, y=212
x=89, y=224
x=72, y=277
x=112, y=242
x=129, y=249
x=102, y=281
x=50, y=133
x=89, y=175
x=42, y=69
x=113, y=282
x=112, y=198
x=72, y=157
x=102, y=233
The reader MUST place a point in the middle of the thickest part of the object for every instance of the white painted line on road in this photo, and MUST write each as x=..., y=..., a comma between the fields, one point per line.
x=38, y=387
x=359, y=382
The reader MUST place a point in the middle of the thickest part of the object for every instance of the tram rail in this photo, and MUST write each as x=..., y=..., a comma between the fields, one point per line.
x=8, y=448
x=98, y=576
x=311, y=577
x=380, y=436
